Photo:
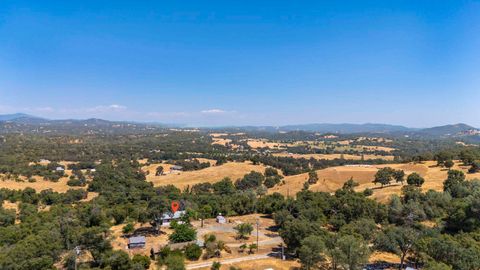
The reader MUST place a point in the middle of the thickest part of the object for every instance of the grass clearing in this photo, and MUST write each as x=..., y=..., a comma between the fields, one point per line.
x=233, y=170
x=333, y=156
x=333, y=178
x=39, y=184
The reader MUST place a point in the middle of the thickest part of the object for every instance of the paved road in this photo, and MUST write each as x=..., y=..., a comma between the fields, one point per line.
x=229, y=261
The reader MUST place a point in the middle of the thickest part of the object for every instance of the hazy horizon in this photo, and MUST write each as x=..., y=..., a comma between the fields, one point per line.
x=215, y=63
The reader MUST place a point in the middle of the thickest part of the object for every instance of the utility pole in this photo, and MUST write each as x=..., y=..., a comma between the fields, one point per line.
x=258, y=223
x=77, y=252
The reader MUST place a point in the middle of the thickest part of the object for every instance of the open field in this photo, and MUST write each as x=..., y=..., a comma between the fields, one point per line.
x=340, y=146
x=221, y=141
x=331, y=179
x=256, y=143
x=233, y=170
x=333, y=156
x=39, y=185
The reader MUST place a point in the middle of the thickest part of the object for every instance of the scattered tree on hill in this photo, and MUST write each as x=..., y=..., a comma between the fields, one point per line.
x=448, y=164
x=475, y=167
x=159, y=171
x=384, y=176
x=312, y=177
x=415, y=179
x=399, y=176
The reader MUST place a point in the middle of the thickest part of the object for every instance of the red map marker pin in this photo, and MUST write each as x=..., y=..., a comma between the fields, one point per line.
x=175, y=206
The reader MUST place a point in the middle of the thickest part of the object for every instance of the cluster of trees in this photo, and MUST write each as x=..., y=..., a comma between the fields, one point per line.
x=342, y=229
x=192, y=164
x=385, y=176
x=292, y=166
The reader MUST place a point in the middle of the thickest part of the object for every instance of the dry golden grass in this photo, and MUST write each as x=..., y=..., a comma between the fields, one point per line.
x=90, y=196
x=216, y=135
x=270, y=263
x=39, y=184
x=206, y=160
x=255, y=144
x=152, y=241
x=233, y=170
x=333, y=178
x=384, y=257
x=10, y=205
x=333, y=156
x=221, y=141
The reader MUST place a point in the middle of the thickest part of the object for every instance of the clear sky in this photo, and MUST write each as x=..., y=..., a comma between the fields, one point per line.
x=415, y=63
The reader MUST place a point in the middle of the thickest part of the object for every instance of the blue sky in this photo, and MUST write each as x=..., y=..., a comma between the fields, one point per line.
x=414, y=63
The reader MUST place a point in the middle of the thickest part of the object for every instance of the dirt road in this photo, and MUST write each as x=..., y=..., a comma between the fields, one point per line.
x=229, y=261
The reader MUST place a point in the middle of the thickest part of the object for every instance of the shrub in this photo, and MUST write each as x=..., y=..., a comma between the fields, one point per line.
x=193, y=252
x=128, y=228
x=141, y=260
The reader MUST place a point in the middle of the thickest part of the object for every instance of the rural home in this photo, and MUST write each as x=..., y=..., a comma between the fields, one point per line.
x=169, y=217
x=136, y=242
x=59, y=169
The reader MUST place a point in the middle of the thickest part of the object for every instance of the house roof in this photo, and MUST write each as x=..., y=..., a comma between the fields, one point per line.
x=176, y=167
x=136, y=240
x=170, y=215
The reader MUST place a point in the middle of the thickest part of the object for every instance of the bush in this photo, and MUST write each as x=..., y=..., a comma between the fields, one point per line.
x=193, y=252
x=415, y=179
x=141, y=260
x=75, y=183
x=175, y=262
x=243, y=230
x=216, y=266
x=128, y=228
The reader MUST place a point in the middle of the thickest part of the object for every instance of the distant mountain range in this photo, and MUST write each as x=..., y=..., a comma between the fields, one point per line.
x=20, y=122
x=15, y=116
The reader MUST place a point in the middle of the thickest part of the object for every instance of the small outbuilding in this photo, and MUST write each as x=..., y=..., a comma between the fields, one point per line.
x=136, y=242
x=176, y=168
x=221, y=219
x=59, y=169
